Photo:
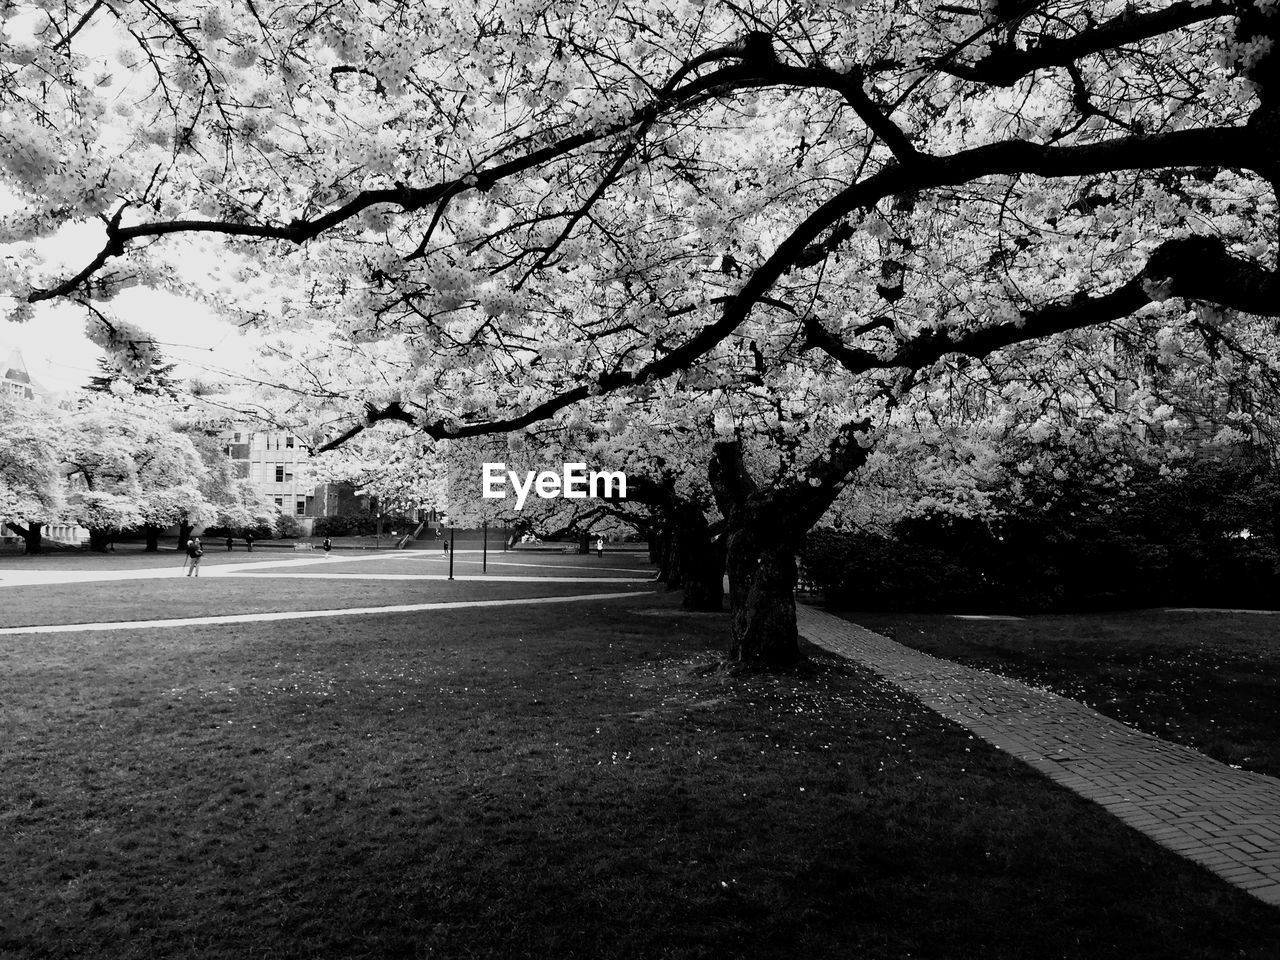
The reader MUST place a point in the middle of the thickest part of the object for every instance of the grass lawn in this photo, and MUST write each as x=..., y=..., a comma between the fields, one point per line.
x=211, y=597
x=1207, y=680
x=542, y=782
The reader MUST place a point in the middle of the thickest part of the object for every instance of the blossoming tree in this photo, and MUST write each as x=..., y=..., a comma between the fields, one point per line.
x=528, y=204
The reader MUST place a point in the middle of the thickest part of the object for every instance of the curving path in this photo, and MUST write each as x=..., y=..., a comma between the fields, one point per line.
x=307, y=614
x=1225, y=819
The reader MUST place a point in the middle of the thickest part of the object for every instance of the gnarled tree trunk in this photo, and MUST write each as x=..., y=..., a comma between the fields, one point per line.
x=762, y=595
x=761, y=549
x=98, y=540
x=700, y=559
x=764, y=531
x=681, y=544
x=153, y=538
x=32, y=535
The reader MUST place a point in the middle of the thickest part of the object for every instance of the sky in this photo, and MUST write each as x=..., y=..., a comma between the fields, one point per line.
x=61, y=357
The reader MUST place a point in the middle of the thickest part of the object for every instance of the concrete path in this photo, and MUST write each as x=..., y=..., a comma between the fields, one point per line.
x=304, y=566
x=306, y=614
x=1225, y=819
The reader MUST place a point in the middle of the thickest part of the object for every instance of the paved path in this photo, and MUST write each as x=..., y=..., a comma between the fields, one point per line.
x=306, y=614
x=301, y=567
x=1228, y=820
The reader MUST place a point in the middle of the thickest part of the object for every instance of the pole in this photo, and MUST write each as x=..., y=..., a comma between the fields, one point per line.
x=451, y=553
x=484, y=566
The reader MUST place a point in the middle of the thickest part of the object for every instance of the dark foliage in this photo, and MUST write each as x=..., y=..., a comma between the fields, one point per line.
x=359, y=525
x=1206, y=537
x=260, y=532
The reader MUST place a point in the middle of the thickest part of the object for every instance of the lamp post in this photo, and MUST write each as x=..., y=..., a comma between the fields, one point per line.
x=451, y=553
x=484, y=555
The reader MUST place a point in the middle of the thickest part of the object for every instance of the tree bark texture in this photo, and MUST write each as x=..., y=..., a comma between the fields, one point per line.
x=762, y=597
x=700, y=559
x=681, y=543
x=32, y=535
x=761, y=558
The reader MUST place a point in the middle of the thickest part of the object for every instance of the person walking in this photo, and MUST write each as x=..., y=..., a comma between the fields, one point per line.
x=328, y=545
x=230, y=542
x=599, y=546
x=194, y=553
x=248, y=540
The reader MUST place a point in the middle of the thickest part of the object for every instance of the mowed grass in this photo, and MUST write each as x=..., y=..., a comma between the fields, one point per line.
x=577, y=781
x=1207, y=680
x=211, y=597
x=280, y=583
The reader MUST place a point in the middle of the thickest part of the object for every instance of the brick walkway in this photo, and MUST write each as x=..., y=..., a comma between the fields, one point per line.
x=1224, y=819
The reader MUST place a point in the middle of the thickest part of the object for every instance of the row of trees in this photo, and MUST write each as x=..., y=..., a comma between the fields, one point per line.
x=737, y=247
x=112, y=467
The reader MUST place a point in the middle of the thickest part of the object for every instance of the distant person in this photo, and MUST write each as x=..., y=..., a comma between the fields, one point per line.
x=599, y=546
x=194, y=553
x=230, y=542
x=445, y=544
x=328, y=545
x=248, y=541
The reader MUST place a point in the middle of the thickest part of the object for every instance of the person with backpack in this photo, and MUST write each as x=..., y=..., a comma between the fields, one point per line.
x=194, y=553
x=328, y=545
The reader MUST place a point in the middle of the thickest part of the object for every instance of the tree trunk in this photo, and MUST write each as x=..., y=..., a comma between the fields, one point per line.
x=672, y=557
x=98, y=540
x=32, y=535
x=761, y=542
x=762, y=598
x=153, y=538
x=584, y=544
x=184, y=534
x=700, y=560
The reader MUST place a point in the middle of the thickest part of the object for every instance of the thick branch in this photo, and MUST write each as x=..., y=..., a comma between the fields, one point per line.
x=1186, y=148
x=1005, y=66
x=1198, y=268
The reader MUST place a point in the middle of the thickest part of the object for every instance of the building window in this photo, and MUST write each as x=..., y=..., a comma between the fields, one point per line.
x=300, y=507
x=280, y=474
x=235, y=438
x=280, y=502
x=288, y=441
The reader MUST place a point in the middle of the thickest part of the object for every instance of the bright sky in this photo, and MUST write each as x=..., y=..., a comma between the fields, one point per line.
x=61, y=357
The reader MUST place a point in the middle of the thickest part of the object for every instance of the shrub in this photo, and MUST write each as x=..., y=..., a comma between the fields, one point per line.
x=1171, y=540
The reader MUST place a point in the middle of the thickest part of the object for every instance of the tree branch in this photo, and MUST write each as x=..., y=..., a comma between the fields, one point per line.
x=1007, y=65
x=1198, y=268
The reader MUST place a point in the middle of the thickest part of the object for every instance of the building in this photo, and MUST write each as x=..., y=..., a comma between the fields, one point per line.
x=20, y=387
x=277, y=464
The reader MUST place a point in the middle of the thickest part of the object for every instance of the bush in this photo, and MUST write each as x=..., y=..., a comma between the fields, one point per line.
x=361, y=525
x=260, y=532
x=1168, y=541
